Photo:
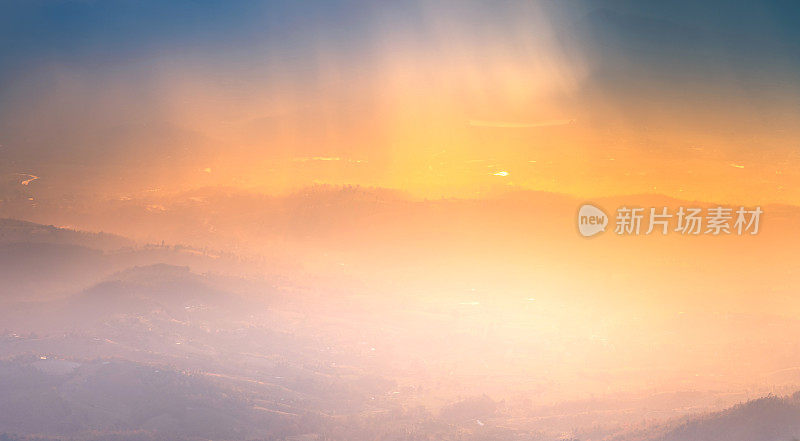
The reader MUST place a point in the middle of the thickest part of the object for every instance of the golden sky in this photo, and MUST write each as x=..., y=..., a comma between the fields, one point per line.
x=437, y=99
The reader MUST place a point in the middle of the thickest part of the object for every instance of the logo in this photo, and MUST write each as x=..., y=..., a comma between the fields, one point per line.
x=591, y=220
x=687, y=221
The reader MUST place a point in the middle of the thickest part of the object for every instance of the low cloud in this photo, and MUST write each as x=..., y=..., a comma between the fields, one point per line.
x=520, y=125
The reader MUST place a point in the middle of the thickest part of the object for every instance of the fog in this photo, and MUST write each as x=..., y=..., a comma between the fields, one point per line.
x=347, y=302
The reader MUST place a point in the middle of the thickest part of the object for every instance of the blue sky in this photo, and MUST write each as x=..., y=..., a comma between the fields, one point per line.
x=98, y=84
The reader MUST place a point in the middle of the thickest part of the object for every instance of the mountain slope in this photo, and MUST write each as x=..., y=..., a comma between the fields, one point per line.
x=116, y=396
x=766, y=419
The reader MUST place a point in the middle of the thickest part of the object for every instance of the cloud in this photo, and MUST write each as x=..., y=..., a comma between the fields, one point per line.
x=318, y=158
x=520, y=125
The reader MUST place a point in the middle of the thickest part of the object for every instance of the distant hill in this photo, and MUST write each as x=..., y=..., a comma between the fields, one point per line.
x=172, y=289
x=116, y=397
x=766, y=419
x=42, y=261
x=160, y=292
x=31, y=270
x=39, y=260
x=14, y=231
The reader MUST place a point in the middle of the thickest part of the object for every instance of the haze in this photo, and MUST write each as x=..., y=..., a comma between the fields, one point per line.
x=356, y=220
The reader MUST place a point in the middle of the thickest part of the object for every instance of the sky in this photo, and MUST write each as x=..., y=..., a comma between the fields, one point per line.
x=185, y=121
x=695, y=100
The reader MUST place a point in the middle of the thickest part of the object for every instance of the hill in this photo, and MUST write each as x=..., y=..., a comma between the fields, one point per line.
x=83, y=399
x=770, y=418
x=15, y=231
